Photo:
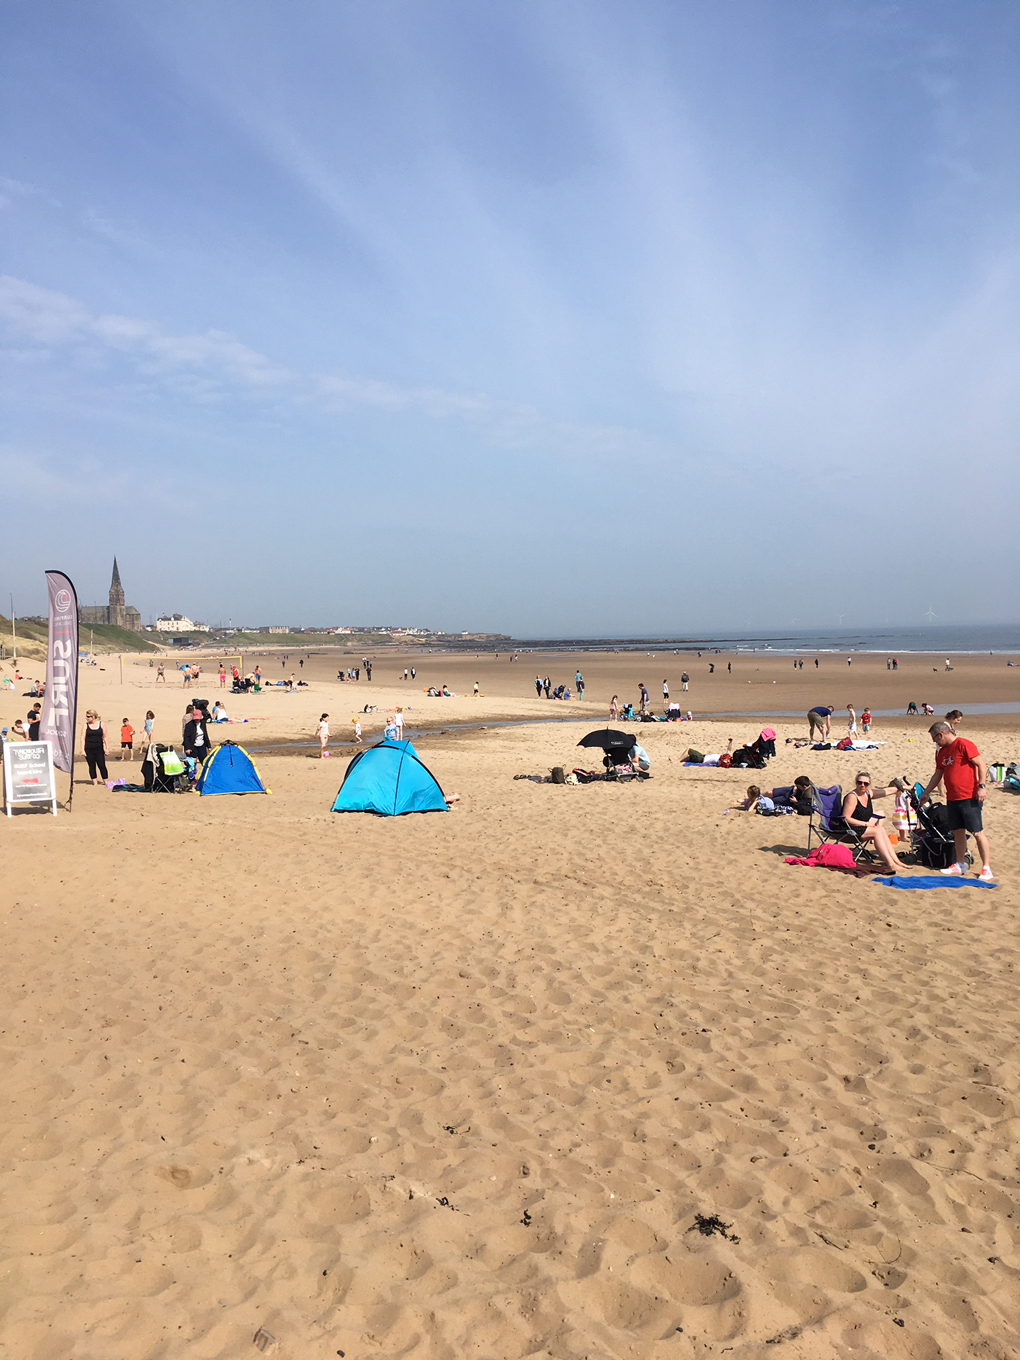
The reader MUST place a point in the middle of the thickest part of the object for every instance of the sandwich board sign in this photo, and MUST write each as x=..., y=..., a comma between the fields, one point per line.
x=28, y=774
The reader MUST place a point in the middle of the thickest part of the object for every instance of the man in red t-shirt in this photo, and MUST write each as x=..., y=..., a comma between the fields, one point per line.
x=958, y=762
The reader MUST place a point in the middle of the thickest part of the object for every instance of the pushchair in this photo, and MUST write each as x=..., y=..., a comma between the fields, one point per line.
x=933, y=841
x=618, y=765
x=162, y=780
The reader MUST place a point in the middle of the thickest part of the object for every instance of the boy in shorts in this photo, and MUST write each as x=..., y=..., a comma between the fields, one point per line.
x=127, y=741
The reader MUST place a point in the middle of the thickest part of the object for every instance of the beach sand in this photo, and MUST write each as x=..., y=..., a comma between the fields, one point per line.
x=461, y=1084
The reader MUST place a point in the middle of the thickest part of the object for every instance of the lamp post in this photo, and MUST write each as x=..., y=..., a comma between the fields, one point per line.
x=14, y=630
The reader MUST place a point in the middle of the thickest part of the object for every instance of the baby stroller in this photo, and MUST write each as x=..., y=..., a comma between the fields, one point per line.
x=165, y=780
x=933, y=841
x=618, y=765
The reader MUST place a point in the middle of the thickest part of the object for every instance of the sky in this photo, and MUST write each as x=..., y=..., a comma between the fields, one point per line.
x=529, y=316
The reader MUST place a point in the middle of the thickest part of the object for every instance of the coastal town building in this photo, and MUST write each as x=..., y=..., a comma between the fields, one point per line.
x=179, y=623
x=117, y=613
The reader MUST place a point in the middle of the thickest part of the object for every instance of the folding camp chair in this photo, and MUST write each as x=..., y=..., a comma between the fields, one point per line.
x=828, y=826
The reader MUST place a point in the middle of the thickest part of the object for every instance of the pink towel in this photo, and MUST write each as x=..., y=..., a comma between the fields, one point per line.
x=826, y=857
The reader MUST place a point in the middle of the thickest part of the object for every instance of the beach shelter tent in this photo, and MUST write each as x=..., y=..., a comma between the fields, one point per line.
x=229, y=769
x=390, y=779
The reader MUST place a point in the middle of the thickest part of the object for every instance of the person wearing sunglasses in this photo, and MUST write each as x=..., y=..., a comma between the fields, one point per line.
x=859, y=814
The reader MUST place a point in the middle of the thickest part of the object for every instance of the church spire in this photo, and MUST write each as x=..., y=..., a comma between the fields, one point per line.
x=116, y=589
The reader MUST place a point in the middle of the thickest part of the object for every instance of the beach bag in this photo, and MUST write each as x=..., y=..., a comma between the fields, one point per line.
x=558, y=776
x=171, y=761
x=725, y=760
x=845, y=745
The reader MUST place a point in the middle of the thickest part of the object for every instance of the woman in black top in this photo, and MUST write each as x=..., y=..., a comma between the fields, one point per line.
x=196, y=735
x=860, y=816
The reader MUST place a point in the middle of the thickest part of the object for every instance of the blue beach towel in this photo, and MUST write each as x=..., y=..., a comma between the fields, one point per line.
x=928, y=881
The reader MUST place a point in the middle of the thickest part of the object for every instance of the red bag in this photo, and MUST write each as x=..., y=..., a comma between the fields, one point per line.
x=725, y=760
x=845, y=745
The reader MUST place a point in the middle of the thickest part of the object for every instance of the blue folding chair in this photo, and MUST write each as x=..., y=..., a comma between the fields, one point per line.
x=828, y=825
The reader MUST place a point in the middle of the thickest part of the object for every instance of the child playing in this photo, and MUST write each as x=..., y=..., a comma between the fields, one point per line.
x=127, y=740
x=851, y=721
x=322, y=732
x=755, y=801
x=357, y=730
x=866, y=721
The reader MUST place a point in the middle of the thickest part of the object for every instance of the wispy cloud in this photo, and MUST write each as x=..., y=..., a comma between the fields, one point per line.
x=512, y=425
x=53, y=319
x=199, y=365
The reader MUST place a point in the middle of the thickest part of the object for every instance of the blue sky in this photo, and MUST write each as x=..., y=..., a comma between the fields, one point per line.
x=552, y=318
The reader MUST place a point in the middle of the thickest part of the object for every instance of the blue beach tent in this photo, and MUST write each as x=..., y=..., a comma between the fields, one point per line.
x=229, y=769
x=389, y=779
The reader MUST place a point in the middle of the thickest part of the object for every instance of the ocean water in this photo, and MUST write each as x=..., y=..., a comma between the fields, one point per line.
x=999, y=639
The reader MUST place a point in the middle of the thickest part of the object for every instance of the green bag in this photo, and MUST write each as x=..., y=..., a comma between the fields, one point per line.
x=172, y=763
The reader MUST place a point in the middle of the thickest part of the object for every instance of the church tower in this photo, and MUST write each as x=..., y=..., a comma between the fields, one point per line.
x=117, y=599
x=117, y=612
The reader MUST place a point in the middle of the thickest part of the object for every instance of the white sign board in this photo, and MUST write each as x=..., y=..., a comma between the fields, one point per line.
x=28, y=774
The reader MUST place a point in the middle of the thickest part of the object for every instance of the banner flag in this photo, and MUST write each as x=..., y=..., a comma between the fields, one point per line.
x=60, y=702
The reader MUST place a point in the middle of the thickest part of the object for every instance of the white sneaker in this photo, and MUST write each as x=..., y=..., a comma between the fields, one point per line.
x=986, y=875
x=953, y=869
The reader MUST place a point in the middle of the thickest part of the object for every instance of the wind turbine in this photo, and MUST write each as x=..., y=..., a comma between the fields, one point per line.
x=930, y=614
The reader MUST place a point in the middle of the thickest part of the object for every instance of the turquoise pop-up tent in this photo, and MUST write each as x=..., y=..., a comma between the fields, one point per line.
x=389, y=779
x=229, y=769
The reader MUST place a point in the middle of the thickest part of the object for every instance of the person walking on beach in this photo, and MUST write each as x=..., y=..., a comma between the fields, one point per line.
x=398, y=723
x=414, y=672
x=547, y=685
x=160, y=674
x=538, y=686
x=357, y=730
x=322, y=732
x=614, y=707
x=476, y=690
x=866, y=721
x=685, y=680
x=644, y=696
x=95, y=746
x=223, y=676
x=958, y=762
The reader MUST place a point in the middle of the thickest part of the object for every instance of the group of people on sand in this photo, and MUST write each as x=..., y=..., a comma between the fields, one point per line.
x=393, y=730
x=959, y=765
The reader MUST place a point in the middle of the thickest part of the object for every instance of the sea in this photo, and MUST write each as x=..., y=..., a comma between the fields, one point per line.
x=946, y=639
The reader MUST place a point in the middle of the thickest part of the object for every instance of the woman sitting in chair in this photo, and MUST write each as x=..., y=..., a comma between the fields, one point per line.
x=859, y=817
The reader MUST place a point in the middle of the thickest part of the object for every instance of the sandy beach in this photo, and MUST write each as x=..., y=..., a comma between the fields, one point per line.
x=568, y=1071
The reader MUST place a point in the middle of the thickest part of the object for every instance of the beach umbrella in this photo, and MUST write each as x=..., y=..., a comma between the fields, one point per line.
x=608, y=739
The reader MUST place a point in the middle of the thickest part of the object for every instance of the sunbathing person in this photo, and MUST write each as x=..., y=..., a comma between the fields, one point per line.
x=857, y=813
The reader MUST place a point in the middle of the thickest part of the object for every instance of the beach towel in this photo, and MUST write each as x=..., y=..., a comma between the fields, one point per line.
x=826, y=857
x=930, y=881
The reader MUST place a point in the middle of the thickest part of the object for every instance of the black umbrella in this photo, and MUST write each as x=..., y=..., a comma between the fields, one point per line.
x=608, y=739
